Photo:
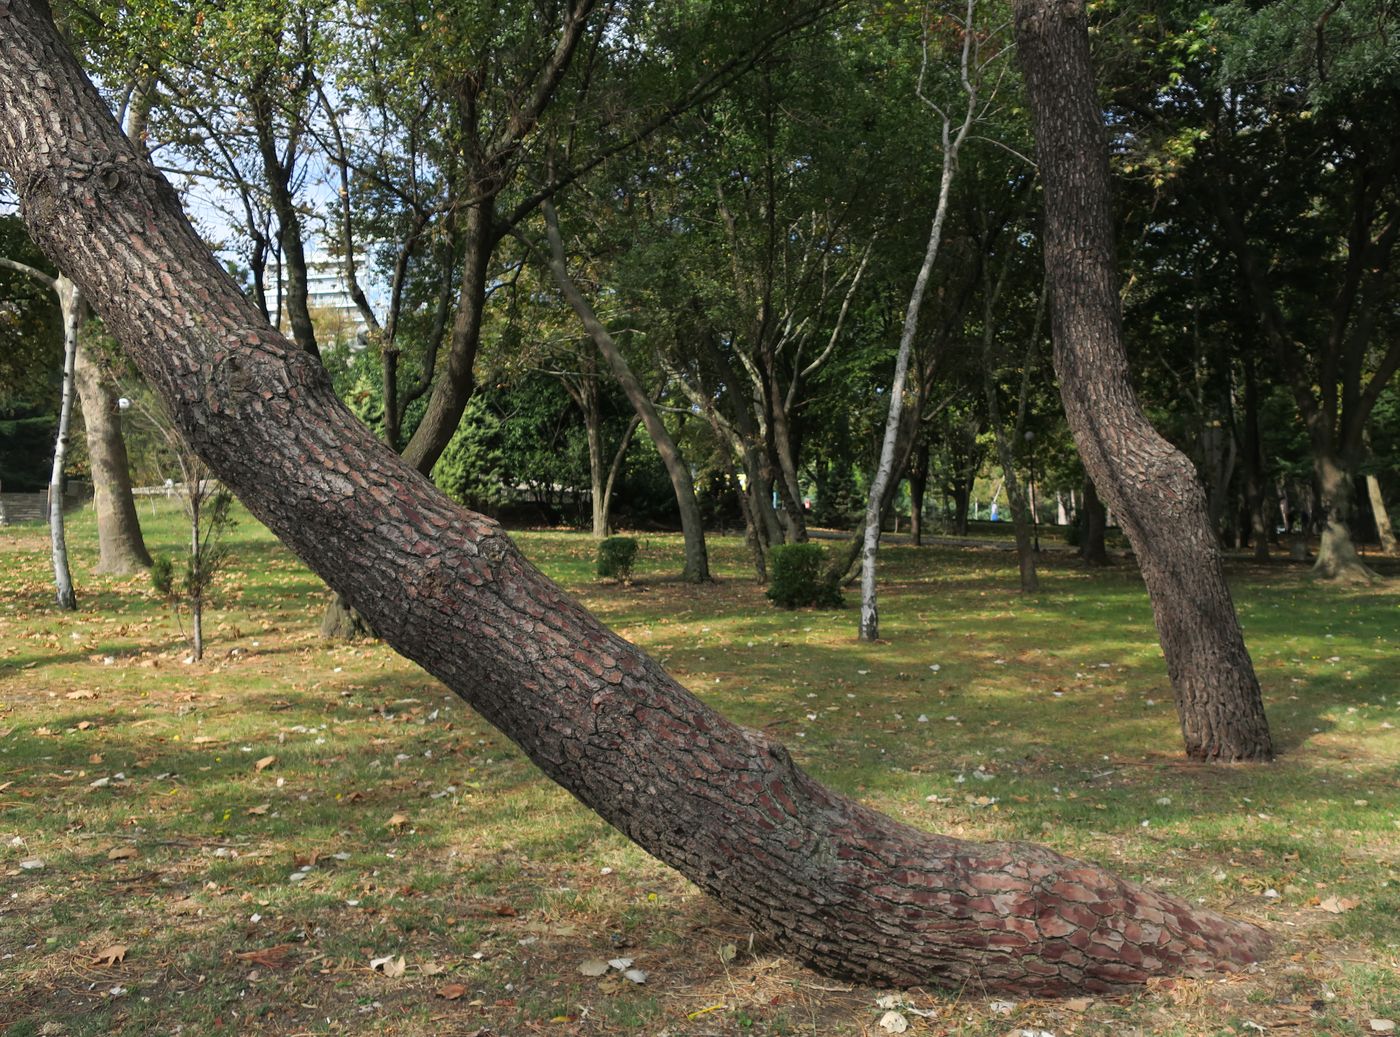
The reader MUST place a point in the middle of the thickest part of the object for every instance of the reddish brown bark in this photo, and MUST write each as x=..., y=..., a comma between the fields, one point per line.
x=834, y=883
x=1150, y=485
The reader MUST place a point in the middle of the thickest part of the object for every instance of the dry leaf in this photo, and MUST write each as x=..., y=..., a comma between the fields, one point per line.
x=303, y=860
x=122, y=853
x=594, y=967
x=450, y=991
x=1337, y=905
x=1078, y=1004
x=1382, y=1026
x=432, y=969
x=110, y=956
x=204, y=739
x=397, y=821
x=893, y=1022
x=389, y=965
x=84, y=725
x=5, y=785
x=264, y=763
x=268, y=957
x=260, y=809
x=635, y=975
x=83, y=694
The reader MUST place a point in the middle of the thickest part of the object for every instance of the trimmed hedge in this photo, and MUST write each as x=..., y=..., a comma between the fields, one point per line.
x=615, y=557
x=799, y=578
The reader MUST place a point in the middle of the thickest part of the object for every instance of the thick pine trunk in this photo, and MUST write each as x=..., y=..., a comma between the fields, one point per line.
x=835, y=884
x=1150, y=486
x=121, y=548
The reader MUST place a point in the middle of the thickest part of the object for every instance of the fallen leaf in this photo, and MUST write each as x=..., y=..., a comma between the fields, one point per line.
x=5, y=785
x=893, y=1022
x=432, y=969
x=621, y=963
x=264, y=763
x=1078, y=1004
x=268, y=957
x=204, y=739
x=84, y=725
x=389, y=965
x=450, y=991
x=260, y=809
x=728, y=952
x=1337, y=905
x=81, y=694
x=594, y=967
x=121, y=853
x=1382, y=1026
x=305, y=860
x=110, y=956
x=635, y=975
x=397, y=821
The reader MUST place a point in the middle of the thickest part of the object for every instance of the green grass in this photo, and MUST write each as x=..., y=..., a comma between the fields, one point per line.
x=419, y=831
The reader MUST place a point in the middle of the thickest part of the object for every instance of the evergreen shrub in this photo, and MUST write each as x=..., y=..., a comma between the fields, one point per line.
x=799, y=578
x=615, y=557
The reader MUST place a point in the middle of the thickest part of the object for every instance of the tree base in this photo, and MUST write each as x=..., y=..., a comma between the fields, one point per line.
x=342, y=623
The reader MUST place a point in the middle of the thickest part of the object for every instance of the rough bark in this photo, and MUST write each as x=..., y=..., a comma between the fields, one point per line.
x=834, y=883
x=121, y=548
x=1151, y=486
x=1337, y=557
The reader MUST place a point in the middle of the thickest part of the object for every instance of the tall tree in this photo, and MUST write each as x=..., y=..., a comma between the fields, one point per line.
x=836, y=884
x=1151, y=487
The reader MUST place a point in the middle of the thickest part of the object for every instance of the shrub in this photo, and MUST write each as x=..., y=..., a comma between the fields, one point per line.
x=799, y=578
x=615, y=557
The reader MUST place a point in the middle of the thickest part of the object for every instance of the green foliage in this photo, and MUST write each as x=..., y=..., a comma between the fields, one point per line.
x=26, y=450
x=615, y=558
x=800, y=578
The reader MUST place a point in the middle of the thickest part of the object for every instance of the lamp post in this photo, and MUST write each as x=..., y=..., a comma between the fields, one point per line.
x=1035, y=514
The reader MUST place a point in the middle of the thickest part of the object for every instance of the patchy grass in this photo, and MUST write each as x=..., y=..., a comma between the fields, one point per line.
x=391, y=822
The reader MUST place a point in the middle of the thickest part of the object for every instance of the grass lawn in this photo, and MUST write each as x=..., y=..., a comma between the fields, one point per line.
x=300, y=838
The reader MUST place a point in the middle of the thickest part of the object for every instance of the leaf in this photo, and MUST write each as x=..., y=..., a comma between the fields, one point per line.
x=258, y=810
x=389, y=965
x=594, y=967
x=84, y=725
x=109, y=956
x=1337, y=905
x=635, y=975
x=204, y=740
x=450, y=991
x=621, y=963
x=397, y=821
x=1382, y=1026
x=121, y=853
x=81, y=694
x=728, y=952
x=264, y=763
x=893, y=1022
x=268, y=957
x=1078, y=1004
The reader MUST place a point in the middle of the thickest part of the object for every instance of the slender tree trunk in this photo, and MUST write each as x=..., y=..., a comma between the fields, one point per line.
x=1151, y=487
x=1095, y=523
x=786, y=457
x=918, y=486
x=615, y=469
x=697, y=563
x=1252, y=459
x=121, y=548
x=1384, y=529
x=833, y=883
x=70, y=304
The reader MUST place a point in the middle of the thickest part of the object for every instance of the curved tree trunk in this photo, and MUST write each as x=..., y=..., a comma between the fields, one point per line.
x=697, y=562
x=835, y=884
x=1151, y=486
x=121, y=548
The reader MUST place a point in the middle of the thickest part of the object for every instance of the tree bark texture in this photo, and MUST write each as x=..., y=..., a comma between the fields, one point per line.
x=1149, y=485
x=834, y=883
x=1095, y=522
x=1384, y=530
x=121, y=548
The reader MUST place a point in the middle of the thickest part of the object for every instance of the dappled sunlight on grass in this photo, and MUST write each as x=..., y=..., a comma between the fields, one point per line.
x=334, y=802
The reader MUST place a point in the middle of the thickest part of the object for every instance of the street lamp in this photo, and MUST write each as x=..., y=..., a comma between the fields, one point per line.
x=1035, y=514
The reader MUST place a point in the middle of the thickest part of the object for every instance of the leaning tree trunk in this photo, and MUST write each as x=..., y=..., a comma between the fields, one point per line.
x=697, y=561
x=1150, y=486
x=834, y=883
x=1384, y=530
x=70, y=303
x=121, y=548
